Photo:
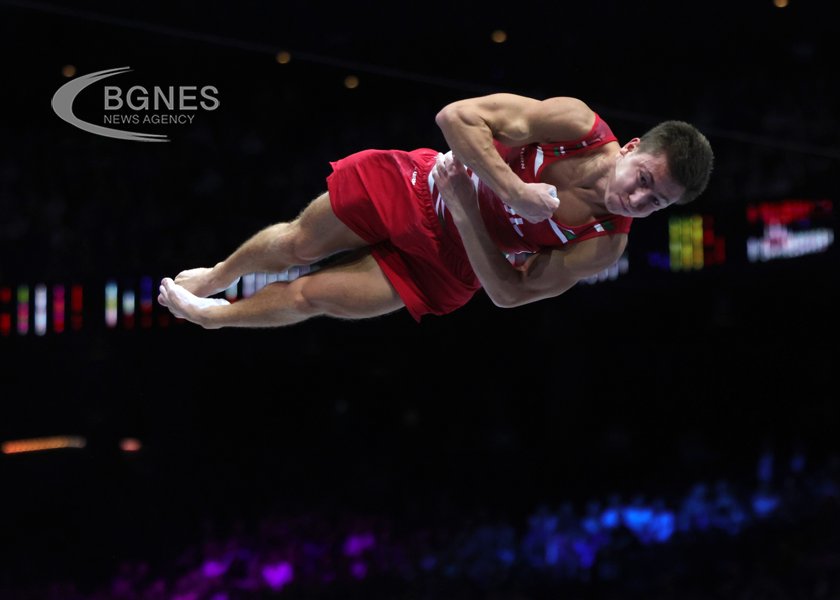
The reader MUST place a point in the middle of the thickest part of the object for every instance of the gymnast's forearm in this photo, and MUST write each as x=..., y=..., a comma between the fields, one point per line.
x=501, y=282
x=471, y=140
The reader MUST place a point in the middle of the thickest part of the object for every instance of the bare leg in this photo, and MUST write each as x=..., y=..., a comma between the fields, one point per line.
x=356, y=289
x=315, y=234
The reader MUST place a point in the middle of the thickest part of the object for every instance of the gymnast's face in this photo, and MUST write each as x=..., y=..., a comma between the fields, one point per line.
x=640, y=184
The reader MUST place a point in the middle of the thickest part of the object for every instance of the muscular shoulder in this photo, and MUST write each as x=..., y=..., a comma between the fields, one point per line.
x=560, y=119
x=519, y=120
x=590, y=257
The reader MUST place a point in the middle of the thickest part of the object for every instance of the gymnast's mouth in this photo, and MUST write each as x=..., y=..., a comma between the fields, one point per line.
x=624, y=205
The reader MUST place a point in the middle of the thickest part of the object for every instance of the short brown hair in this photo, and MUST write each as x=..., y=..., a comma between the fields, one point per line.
x=689, y=154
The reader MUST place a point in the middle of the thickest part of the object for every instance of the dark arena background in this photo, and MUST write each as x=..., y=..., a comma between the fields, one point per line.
x=666, y=430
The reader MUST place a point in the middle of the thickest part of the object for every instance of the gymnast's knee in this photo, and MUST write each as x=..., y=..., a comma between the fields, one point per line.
x=303, y=245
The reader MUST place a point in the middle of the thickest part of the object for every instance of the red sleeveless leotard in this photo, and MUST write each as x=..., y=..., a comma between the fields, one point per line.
x=511, y=232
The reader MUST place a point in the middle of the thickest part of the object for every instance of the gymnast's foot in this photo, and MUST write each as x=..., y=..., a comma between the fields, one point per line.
x=184, y=304
x=203, y=282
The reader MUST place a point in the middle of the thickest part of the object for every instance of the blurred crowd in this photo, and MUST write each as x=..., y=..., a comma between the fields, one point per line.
x=776, y=537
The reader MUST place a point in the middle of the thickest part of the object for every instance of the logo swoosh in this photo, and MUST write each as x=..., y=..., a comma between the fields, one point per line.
x=62, y=103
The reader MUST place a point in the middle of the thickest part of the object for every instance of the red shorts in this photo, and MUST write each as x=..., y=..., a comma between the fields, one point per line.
x=384, y=197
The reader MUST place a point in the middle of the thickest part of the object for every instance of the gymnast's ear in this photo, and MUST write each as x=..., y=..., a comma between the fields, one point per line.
x=630, y=146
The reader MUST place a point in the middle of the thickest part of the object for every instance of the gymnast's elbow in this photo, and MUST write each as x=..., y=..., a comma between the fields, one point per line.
x=454, y=115
x=510, y=298
x=520, y=295
x=446, y=117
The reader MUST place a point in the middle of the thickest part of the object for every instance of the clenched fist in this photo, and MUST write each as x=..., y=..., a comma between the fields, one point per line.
x=535, y=202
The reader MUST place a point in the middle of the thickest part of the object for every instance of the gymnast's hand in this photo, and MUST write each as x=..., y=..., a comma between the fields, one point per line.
x=453, y=183
x=535, y=202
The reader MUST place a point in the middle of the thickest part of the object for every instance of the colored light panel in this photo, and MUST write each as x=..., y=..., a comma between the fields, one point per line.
x=5, y=316
x=58, y=308
x=259, y=281
x=692, y=245
x=789, y=229
x=23, y=309
x=611, y=273
x=111, y=292
x=232, y=293
x=147, y=301
x=249, y=285
x=76, y=306
x=40, y=320
x=685, y=243
x=128, y=308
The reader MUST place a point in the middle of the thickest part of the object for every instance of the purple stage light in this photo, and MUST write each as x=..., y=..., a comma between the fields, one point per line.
x=278, y=575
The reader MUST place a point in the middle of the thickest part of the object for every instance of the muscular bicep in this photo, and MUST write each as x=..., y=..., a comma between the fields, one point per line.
x=553, y=272
x=517, y=120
